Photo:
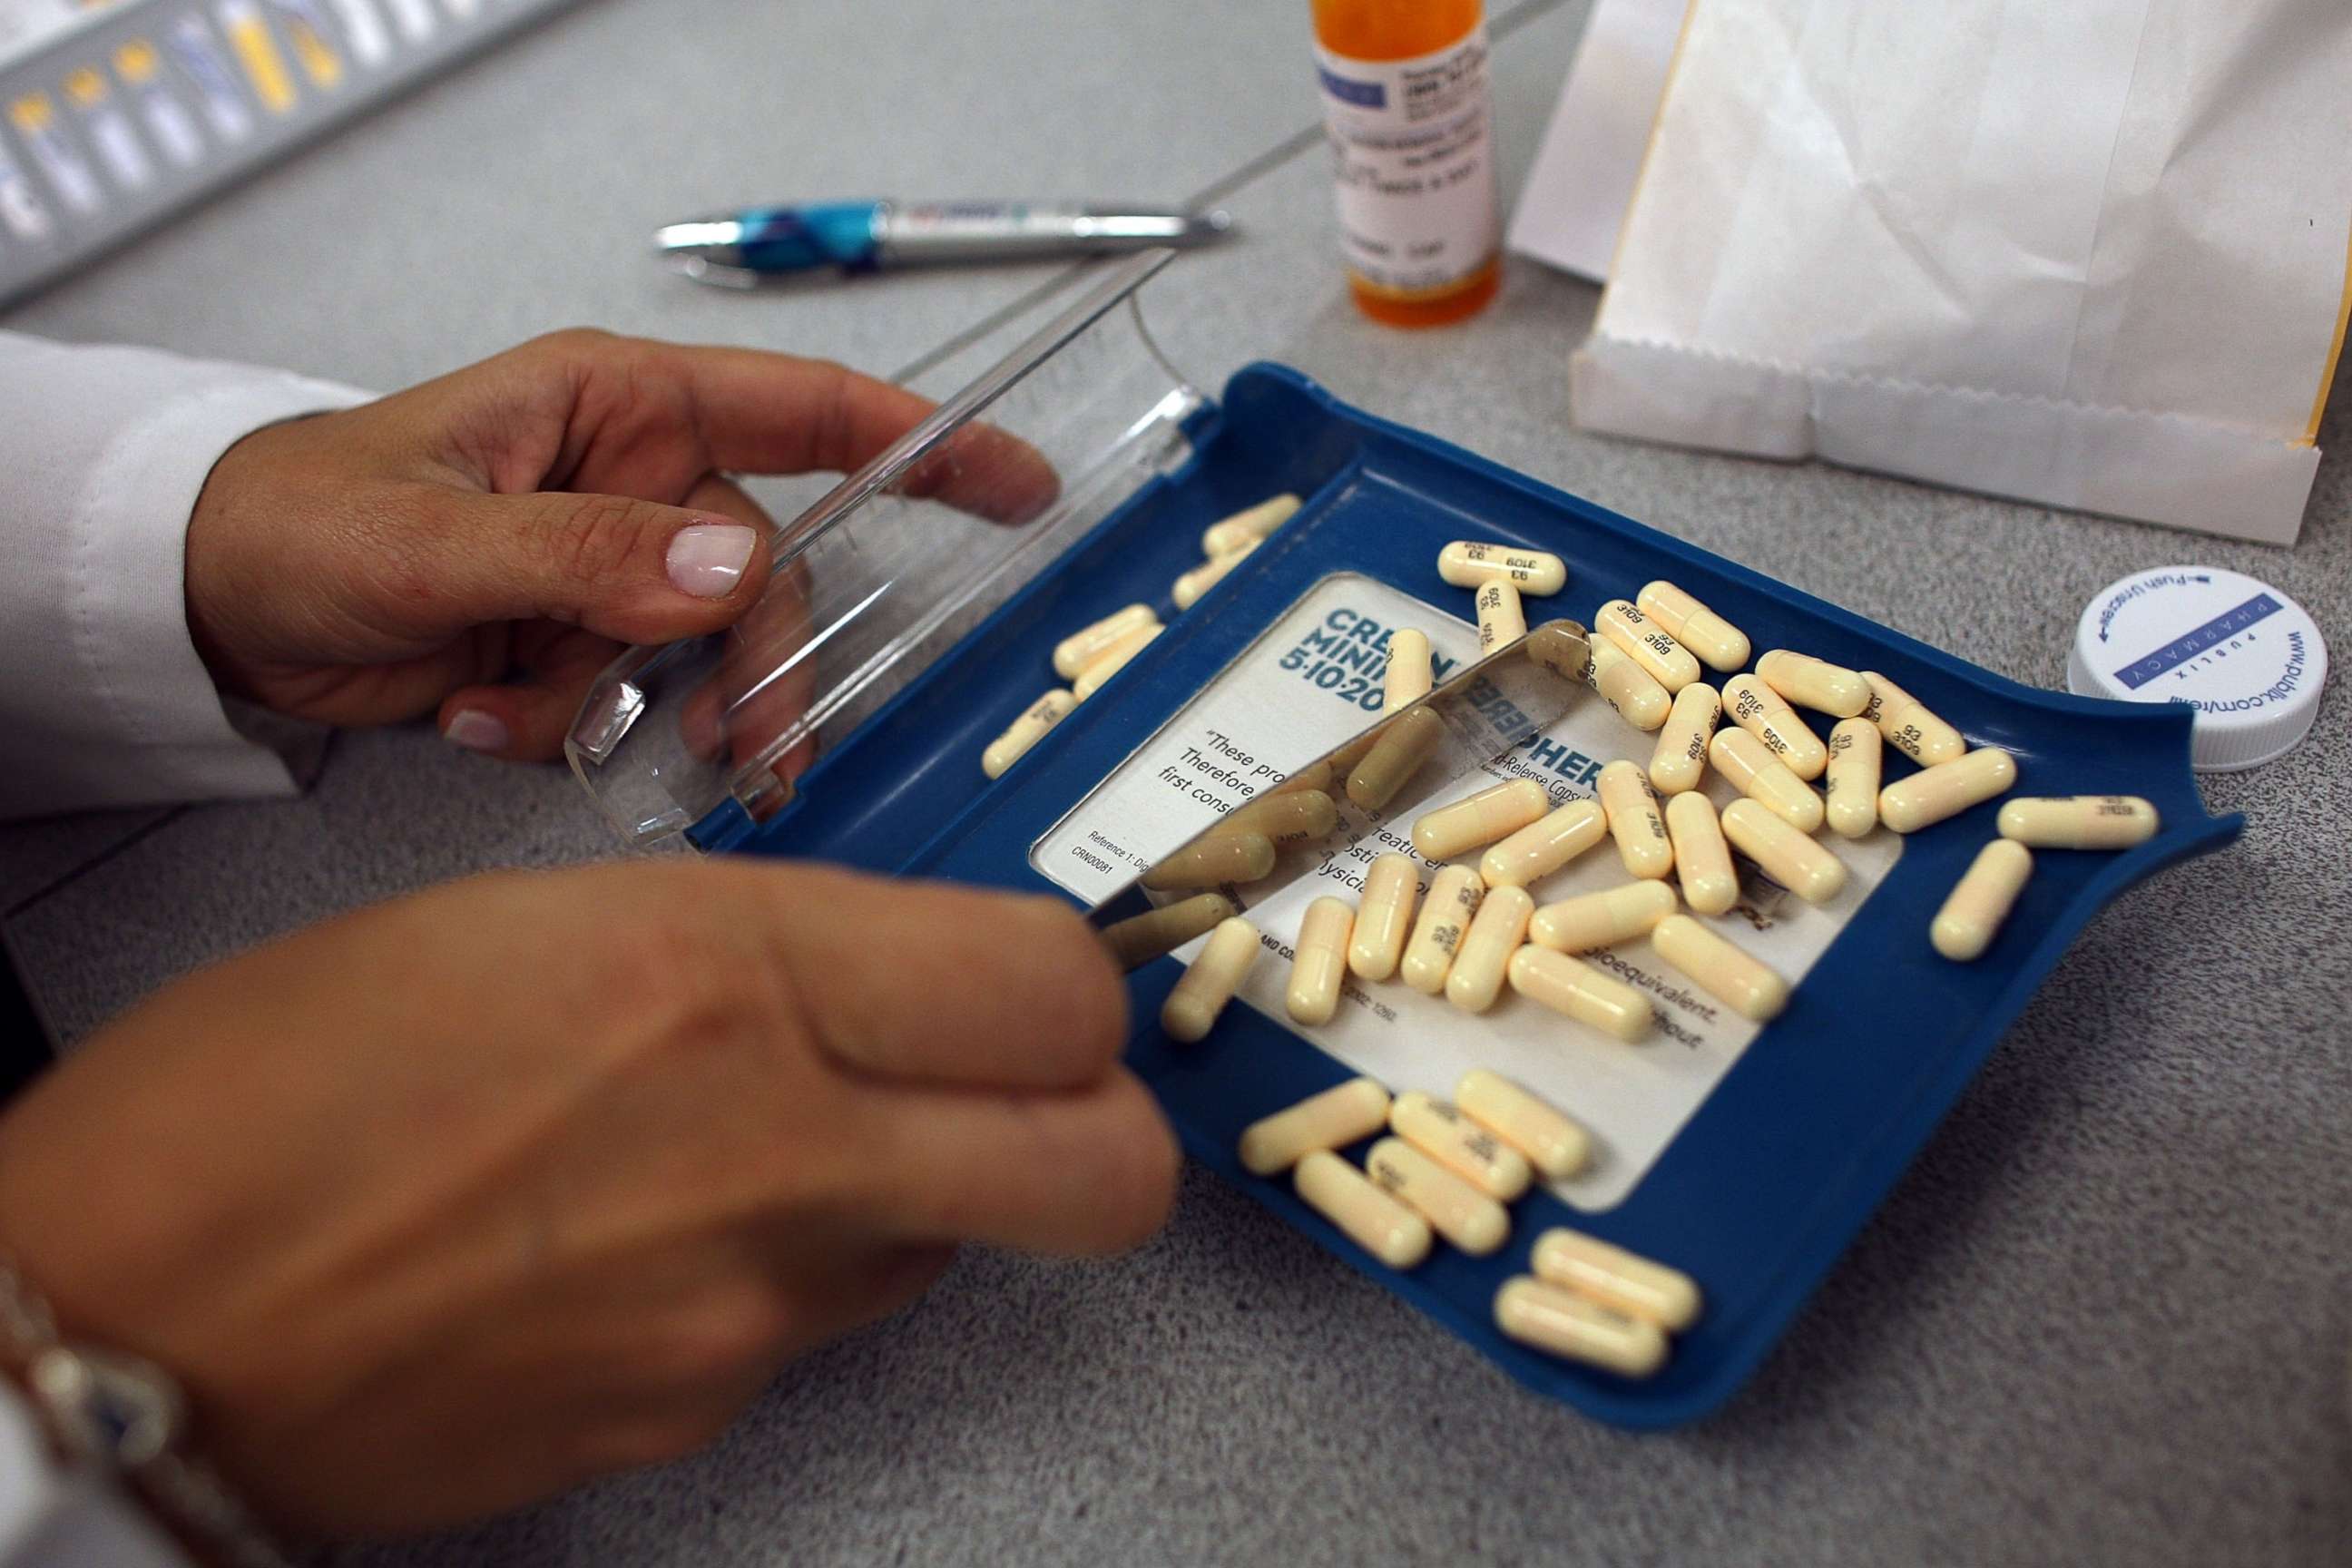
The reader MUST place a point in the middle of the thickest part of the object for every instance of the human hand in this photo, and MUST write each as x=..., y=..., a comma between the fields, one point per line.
x=480, y=544
x=444, y=1206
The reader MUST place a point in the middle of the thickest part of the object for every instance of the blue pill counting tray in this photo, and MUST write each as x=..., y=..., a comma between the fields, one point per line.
x=845, y=720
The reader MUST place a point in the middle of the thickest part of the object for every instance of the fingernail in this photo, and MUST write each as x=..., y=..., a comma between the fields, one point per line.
x=475, y=730
x=706, y=559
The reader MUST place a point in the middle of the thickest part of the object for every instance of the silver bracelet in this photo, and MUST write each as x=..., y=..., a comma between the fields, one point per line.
x=126, y=1416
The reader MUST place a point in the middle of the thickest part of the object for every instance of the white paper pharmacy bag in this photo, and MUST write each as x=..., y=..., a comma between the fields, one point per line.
x=2090, y=253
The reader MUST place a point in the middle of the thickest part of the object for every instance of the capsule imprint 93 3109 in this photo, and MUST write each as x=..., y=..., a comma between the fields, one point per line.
x=1723, y=646
x=1553, y=1141
x=1466, y=563
x=1454, y=895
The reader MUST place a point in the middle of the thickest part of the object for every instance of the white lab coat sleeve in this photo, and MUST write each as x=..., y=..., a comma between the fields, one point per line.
x=104, y=699
x=53, y=1517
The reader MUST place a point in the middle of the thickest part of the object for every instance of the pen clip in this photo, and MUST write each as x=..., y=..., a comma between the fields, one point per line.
x=717, y=274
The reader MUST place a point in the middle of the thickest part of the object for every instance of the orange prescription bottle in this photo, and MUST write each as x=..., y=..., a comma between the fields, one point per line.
x=1405, y=106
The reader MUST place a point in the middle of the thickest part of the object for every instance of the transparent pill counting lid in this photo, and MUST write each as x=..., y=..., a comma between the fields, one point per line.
x=707, y=737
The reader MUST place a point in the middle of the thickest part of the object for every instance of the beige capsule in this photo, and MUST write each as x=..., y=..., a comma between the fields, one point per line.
x=1624, y=686
x=1320, y=960
x=1026, y=731
x=1634, y=822
x=1287, y=817
x=1455, y=1208
x=1138, y=939
x=1757, y=709
x=1723, y=646
x=1193, y=1004
x=1248, y=526
x=1545, y=845
x=1680, y=761
x=1973, y=912
x=1814, y=683
x=1395, y=753
x=1480, y=819
x=1083, y=646
x=1553, y=1141
x=1574, y=988
x=1343, y=761
x=1466, y=563
x=1905, y=724
x=1577, y=1327
x=1647, y=644
x=1702, y=856
x=1113, y=659
x=1485, y=952
x=1460, y=1144
x=1500, y=617
x=1383, y=916
x=1221, y=859
x=1948, y=789
x=1850, y=785
x=1756, y=773
x=2079, y=821
x=1789, y=857
x=1455, y=894
x=1407, y=677
x=1561, y=647
x=1188, y=589
x=1636, y=1286
x=1592, y=920
x=1366, y=1216
x=1721, y=968
x=1331, y=1119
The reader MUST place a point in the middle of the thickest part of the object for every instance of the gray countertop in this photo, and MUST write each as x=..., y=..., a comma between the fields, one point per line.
x=2108, y=1316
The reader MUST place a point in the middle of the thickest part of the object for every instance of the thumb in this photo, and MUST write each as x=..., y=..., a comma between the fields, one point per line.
x=631, y=570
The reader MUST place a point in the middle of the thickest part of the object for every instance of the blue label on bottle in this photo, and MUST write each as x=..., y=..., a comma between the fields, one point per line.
x=1362, y=94
x=2220, y=629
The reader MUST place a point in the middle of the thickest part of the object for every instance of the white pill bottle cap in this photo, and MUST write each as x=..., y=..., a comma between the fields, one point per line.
x=2248, y=659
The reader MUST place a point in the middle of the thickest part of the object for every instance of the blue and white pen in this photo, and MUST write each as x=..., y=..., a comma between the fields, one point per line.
x=743, y=247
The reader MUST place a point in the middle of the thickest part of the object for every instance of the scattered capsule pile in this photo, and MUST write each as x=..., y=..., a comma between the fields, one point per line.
x=1447, y=1169
x=1439, y=1170
x=1093, y=654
